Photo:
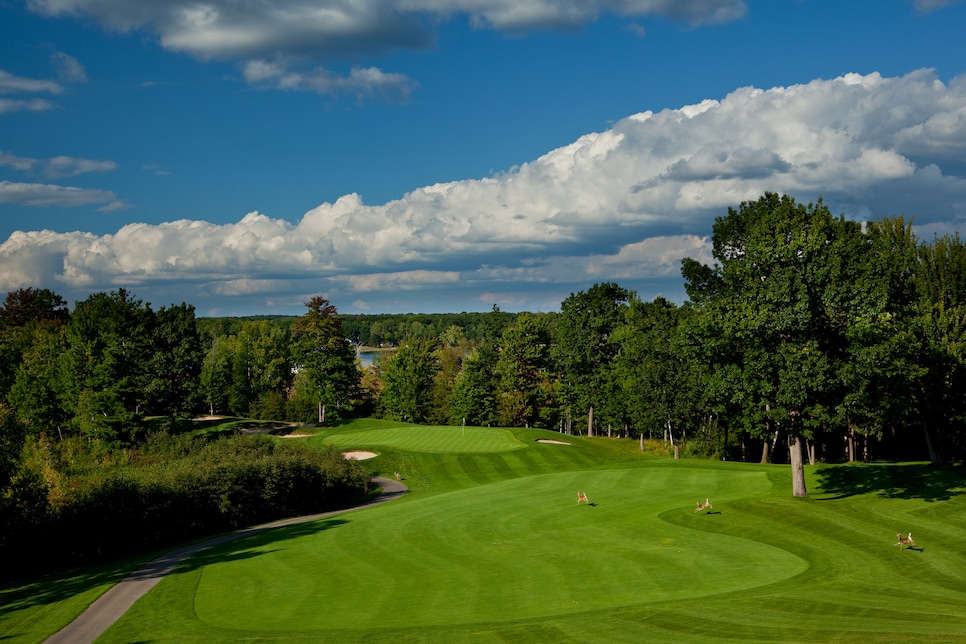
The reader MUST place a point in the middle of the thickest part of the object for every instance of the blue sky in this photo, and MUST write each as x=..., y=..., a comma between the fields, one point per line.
x=449, y=155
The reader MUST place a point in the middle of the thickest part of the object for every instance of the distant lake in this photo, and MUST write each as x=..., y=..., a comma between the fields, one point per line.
x=369, y=358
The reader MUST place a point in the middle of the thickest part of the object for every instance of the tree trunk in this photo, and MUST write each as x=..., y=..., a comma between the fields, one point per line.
x=321, y=413
x=590, y=421
x=933, y=456
x=850, y=439
x=798, y=468
x=642, y=441
x=810, y=446
x=766, y=448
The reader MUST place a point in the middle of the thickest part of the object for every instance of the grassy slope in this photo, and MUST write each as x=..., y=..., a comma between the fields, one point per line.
x=490, y=546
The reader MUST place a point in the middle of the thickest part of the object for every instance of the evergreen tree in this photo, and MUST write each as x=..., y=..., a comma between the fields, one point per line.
x=321, y=348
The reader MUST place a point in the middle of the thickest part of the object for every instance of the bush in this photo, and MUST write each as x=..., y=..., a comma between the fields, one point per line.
x=170, y=490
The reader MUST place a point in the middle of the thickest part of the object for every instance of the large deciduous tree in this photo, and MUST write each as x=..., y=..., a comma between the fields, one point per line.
x=782, y=292
x=321, y=348
x=941, y=396
x=475, y=388
x=109, y=344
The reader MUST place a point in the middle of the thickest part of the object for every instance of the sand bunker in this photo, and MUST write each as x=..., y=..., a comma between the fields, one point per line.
x=551, y=441
x=359, y=455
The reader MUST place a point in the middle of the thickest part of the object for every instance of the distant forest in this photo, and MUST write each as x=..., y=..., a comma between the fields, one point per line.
x=382, y=329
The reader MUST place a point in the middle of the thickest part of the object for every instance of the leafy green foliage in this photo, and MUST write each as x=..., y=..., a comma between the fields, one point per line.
x=584, y=348
x=172, y=489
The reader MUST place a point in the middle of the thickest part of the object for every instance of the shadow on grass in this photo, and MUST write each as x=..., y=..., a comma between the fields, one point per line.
x=239, y=547
x=235, y=546
x=58, y=586
x=892, y=480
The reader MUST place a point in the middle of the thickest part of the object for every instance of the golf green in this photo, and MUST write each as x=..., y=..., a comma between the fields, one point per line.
x=454, y=440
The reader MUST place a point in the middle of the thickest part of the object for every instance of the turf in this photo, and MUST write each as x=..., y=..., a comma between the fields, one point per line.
x=490, y=546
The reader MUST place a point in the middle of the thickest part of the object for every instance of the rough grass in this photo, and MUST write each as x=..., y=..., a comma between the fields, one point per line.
x=490, y=546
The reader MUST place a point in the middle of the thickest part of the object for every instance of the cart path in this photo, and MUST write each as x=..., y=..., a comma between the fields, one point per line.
x=109, y=607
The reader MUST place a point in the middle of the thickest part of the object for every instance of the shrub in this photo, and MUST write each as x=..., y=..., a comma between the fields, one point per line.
x=172, y=489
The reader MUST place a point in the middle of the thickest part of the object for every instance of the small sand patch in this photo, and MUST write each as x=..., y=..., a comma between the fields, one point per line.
x=359, y=455
x=295, y=435
x=551, y=441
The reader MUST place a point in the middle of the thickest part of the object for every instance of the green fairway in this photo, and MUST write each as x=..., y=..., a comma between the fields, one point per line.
x=491, y=546
x=453, y=440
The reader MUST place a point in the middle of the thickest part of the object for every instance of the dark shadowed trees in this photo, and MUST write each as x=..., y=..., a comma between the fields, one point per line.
x=660, y=384
x=173, y=370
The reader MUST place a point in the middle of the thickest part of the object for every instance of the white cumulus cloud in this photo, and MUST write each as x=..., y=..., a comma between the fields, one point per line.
x=625, y=204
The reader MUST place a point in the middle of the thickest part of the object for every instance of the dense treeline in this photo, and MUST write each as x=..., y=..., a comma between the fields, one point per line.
x=810, y=337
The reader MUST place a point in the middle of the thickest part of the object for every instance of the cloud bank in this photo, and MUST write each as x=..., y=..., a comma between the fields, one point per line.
x=625, y=204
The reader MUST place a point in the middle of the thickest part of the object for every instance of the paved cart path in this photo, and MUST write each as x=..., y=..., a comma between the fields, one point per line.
x=109, y=607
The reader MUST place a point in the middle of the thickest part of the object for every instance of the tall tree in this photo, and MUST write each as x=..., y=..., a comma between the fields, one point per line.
x=452, y=351
x=216, y=374
x=584, y=347
x=109, y=341
x=321, y=348
x=781, y=291
x=38, y=390
x=881, y=366
x=21, y=313
x=941, y=399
